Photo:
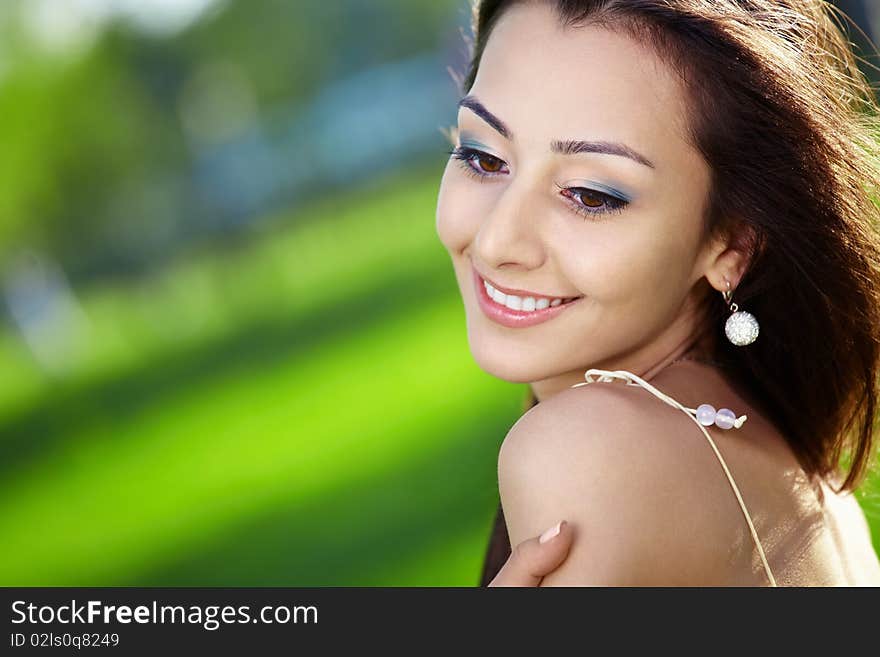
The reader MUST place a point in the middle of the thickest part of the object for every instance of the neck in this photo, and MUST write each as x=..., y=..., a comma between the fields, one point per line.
x=645, y=365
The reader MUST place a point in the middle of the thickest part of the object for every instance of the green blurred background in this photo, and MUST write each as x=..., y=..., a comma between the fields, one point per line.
x=232, y=347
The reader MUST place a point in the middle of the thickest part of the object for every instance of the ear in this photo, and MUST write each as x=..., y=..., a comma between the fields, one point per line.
x=727, y=257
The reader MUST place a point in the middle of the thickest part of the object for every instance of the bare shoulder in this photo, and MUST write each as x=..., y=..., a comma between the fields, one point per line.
x=603, y=416
x=632, y=475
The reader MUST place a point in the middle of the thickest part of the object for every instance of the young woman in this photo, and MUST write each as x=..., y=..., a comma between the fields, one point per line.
x=661, y=217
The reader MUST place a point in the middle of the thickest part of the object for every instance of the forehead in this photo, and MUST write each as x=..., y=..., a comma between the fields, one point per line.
x=548, y=82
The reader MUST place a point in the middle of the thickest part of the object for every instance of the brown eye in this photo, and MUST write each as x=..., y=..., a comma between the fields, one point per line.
x=590, y=200
x=494, y=165
x=591, y=203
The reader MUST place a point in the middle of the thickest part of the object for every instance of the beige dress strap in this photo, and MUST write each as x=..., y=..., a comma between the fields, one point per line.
x=635, y=380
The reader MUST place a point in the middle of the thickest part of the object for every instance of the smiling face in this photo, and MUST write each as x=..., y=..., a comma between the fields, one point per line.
x=617, y=224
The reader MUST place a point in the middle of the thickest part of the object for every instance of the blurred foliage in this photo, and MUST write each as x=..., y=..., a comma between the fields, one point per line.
x=247, y=416
x=97, y=163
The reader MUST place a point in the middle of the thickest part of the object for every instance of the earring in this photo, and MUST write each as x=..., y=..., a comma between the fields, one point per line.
x=741, y=327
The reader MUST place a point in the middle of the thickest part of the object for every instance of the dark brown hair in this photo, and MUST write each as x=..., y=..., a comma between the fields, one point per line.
x=789, y=126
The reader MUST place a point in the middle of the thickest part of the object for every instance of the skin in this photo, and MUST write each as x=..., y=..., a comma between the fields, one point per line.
x=640, y=273
x=648, y=504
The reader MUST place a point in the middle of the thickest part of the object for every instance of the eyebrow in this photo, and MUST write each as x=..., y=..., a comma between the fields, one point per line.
x=565, y=147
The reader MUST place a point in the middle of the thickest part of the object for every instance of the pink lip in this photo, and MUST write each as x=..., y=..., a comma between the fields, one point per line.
x=513, y=318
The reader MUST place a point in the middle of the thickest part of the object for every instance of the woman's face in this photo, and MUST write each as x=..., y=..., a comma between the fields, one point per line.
x=618, y=229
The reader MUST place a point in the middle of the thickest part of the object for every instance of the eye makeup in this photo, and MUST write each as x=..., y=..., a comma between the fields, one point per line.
x=612, y=200
x=606, y=189
x=467, y=141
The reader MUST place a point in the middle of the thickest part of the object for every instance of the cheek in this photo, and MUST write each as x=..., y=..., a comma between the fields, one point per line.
x=455, y=227
x=630, y=267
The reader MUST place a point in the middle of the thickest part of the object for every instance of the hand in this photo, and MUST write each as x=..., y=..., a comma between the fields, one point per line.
x=532, y=560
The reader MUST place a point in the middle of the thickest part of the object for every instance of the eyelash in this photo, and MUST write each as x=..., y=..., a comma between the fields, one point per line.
x=466, y=155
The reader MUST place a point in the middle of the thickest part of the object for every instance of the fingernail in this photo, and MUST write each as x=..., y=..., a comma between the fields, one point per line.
x=550, y=533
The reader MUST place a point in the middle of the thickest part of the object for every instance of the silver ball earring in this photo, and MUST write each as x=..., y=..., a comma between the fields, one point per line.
x=741, y=327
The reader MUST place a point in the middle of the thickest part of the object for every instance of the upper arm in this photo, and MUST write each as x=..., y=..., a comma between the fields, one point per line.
x=621, y=467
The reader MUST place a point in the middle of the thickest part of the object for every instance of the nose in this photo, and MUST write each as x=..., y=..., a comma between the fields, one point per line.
x=510, y=233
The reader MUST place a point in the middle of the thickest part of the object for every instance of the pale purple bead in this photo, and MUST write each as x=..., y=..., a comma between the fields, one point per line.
x=724, y=418
x=706, y=414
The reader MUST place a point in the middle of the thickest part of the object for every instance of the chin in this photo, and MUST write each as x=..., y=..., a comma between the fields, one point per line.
x=499, y=363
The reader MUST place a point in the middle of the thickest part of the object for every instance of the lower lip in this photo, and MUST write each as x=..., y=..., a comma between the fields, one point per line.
x=514, y=318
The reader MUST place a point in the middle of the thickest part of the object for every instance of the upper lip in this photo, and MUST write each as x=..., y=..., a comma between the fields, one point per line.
x=522, y=293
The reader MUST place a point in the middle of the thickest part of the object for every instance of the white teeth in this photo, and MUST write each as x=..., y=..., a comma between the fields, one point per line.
x=514, y=302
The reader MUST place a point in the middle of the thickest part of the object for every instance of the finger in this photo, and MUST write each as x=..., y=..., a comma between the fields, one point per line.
x=532, y=559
